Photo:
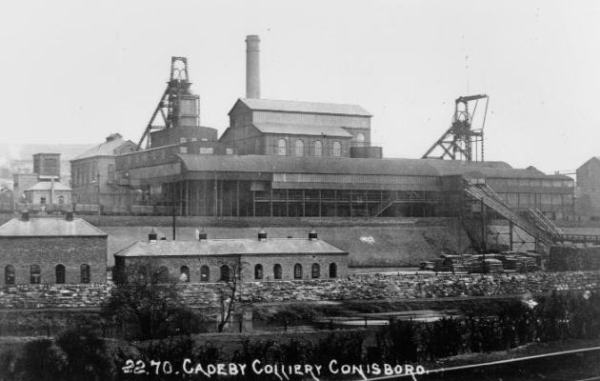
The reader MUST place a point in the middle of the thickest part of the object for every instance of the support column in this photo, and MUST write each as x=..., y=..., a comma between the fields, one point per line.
x=287, y=202
x=320, y=202
x=253, y=203
x=510, y=234
x=271, y=203
x=303, y=203
x=237, y=197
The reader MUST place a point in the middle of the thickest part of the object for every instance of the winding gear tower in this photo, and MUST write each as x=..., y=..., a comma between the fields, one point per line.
x=178, y=106
x=461, y=141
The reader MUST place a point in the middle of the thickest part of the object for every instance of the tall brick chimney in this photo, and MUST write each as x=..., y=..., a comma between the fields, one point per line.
x=252, y=66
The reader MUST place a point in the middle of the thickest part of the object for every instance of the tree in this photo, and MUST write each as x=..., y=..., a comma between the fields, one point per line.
x=147, y=305
x=228, y=293
x=40, y=361
x=86, y=355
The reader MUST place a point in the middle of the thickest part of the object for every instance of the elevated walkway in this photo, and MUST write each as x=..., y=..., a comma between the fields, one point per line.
x=534, y=223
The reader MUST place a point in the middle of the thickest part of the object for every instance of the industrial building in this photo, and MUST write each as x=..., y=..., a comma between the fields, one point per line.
x=250, y=260
x=292, y=158
x=52, y=250
x=93, y=177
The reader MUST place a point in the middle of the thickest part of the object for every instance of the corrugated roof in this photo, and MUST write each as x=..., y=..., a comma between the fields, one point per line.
x=47, y=185
x=304, y=107
x=229, y=247
x=357, y=166
x=297, y=129
x=48, y=227
x=308, y=164
x=103, y=149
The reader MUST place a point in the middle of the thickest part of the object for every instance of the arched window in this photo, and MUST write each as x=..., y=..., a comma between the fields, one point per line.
x=333, y=270
x=9, y=275
x=281, y=147
x=184, y=274
x=299, y=148
x=35, y=274
x=60, y=274
x=204, y=274
x=337, y=149
x=297, y=271
x=277, y=271
x=315, y=270
x=258, y=272
x=162, y=275
x=360, y=137
x=85, y=273
x=225, y=276
x=318, y=148
x=61, y=200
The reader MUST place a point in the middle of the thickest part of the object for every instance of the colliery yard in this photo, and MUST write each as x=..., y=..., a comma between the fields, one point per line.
x=294, y=221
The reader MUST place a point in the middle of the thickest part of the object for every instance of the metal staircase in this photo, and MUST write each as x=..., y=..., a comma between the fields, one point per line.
x=482, y=192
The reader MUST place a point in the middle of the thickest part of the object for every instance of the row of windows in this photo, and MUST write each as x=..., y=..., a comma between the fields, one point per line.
x=225, y=272
x=35, y=274
x=315, y=271
x=282, y=149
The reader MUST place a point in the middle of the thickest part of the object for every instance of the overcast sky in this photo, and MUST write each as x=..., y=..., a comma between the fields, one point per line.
x=76, y=71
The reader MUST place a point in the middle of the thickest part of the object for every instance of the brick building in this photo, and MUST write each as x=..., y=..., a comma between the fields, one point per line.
x=213, y=260
x=93, y=177
x=52, y=250
x=293, y=128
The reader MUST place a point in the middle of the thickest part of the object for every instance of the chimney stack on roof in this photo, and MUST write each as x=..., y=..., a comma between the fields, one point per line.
x=262, y=235
x=69, y=216
x=312, y=235
x=252, y=67
x=25, y=215
x=202, y=236
x=152, y=236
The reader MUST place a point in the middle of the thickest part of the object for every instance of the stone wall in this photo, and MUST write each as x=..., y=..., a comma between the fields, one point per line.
x=368, y=287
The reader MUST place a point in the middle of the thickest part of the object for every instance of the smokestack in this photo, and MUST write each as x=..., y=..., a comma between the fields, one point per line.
x=252, y=67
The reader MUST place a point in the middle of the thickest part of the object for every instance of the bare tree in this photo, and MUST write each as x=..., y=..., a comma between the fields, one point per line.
x=228, y=293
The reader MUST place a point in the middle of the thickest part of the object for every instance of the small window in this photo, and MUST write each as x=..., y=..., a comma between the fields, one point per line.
x=277, y=271
x=318, y=148
x=35, y=274
x=297, y=271
x=61, y=200
x=9, y=275
x=85, y=273
x=281, y=147
x=337, y=149
x=184, y=274
x=162, y=275
x=183, y=149
x=204, y=274
x=60, y=274
x=315, y=270
x=258, y=272
x=182, y=140
x=333, y=270
x=299, y=148
x=43, y=200
x=225, y=276
x=360, y=137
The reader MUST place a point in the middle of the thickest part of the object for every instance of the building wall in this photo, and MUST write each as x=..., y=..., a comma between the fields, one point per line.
x=588, y=183
x=248, y=263
x=288, y=262
x=47, y=252
x=34, y=197
x=95, y=180
x=271, y=144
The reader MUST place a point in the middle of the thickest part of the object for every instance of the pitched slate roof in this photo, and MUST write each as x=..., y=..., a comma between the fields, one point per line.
x=47, y=185
x=297, y=129
x=270, y=246
x=48, y=227
x=304, y=107
x=106, y=148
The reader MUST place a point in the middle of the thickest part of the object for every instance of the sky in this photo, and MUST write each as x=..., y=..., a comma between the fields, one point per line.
x=77, y=71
